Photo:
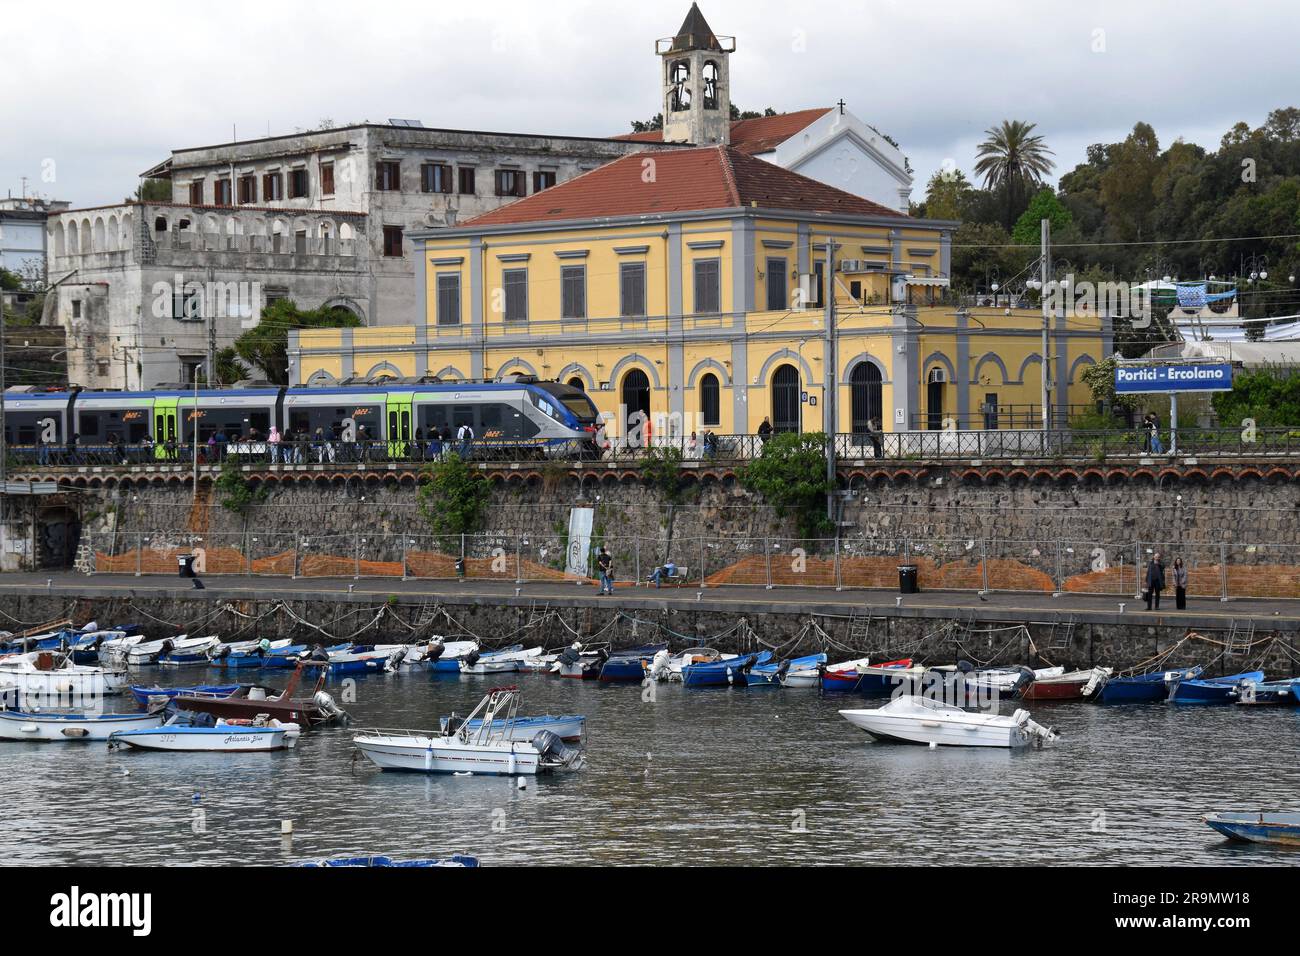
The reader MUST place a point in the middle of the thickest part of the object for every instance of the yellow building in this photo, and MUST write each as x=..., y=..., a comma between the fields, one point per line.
x=689, y=285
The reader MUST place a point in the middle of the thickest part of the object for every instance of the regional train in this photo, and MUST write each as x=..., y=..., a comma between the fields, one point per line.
x=516, y=412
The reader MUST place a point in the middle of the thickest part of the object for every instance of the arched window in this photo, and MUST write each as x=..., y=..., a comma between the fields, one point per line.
x=578, y=383
x=864, y=384
x=710, y=400
x=680, y=77
x=636, y=403
x=710, y=76
x=785, y=399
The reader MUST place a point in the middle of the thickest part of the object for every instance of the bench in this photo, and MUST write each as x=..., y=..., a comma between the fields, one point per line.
x=679, y=577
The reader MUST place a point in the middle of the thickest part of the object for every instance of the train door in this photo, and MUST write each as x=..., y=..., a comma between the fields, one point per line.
x=165, y=436
x=399, y=428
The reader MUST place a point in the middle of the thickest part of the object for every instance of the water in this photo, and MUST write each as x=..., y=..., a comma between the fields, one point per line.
x=726, y=776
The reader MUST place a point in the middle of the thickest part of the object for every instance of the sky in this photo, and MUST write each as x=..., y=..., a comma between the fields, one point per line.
x=94, y=93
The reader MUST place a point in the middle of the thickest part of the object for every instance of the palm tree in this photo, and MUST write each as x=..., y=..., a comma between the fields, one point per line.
x=1012, y=158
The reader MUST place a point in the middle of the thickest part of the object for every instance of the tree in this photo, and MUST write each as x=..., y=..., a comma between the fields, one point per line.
x=453, y=497
x=790, y=474
x=1044, y=205
x=10, y=281
x=738, y=114
x=1271, y=400
x=1127, y=186
x=1014, y=159
x=266, y=344
x=947, y=195
x=648, y=126
x=153, y=190
x=229, y=368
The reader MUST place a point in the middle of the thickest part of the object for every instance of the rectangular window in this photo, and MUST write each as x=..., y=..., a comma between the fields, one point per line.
x=511, y=182
x=221, y=192
x=815, y=282
x=466, y=176
x=543, y=179
x=435, y=178
x=393, y=242
x=272, y=187
x=298, y=185
x=631, y=285
x=388, y=175
x=196, y=193
x=247, y=190
x=515, y=282
x=991, y=411
x=327, y=179
x=777, y=285
x=708, y=286
x=573, y=286
x=449, y=299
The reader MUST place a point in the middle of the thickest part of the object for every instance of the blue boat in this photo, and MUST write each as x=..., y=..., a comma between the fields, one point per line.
x=770, y=674
x=1282, y=829
x=629, y=666
x=143, y=695
x=85, y=643
x=455, y=860
x=1145, y=688
x=729, y=673
x=1214, y=690
x=875, y=680
x=568, y=727
x=283, y=658
x=1274, y=693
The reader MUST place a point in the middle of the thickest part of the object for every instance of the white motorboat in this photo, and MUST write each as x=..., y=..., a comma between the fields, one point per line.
x=482, y=744
x=193, y=732
x=50, y=679
x=922, y=720
x=189, y=650
x=25, y=725
x=137, y=650
x=497, y=662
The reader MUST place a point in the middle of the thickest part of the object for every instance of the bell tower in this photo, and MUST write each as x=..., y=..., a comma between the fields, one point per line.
x=697, y=84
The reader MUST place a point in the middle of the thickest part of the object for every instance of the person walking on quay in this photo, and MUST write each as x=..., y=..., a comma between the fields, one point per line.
x=465, y=435
x=605, y=563
x=1152, y=425
x=1180, y=585
x=1155, y=581
x=764, y=431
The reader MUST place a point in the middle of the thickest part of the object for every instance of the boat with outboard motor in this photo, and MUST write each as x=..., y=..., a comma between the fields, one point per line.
x=65, y=727
x=1070, y=685
x=581, y=662
x=568, y=728
x=504, y=661
x=729, y=672
x=1212, y=690
x=872, y=680
x=202, y=733
x=912, y=719
x=157, y=696
x=485, y=747
x=51, y=676
x=1275, y=693
x=630, y=665
x=1145, y=688
x=777, y=673
x=250, y=700
x=1280, y=828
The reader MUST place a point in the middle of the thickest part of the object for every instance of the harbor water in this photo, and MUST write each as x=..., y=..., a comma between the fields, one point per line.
x=693, y=776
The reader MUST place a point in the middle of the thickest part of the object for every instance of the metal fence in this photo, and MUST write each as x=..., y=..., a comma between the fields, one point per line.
x=887, y=446
x=1046, y=566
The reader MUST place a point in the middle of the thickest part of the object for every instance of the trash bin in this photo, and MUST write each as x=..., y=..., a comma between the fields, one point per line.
x=907, y=579
x=186, y=562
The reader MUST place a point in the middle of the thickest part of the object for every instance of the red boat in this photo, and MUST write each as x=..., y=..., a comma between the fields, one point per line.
x=253, y=699
x=1076, y=685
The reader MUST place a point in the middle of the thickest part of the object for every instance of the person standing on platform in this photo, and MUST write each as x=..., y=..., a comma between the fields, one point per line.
x=1155, y=582
x=605, y=563
x=1180, y=584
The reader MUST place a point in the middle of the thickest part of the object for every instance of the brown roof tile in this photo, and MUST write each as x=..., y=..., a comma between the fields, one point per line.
x=759, y=135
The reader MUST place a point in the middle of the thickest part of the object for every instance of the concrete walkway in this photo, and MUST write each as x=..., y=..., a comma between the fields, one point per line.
x=1014, y=607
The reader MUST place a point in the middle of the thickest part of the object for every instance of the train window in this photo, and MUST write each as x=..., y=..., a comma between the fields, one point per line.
x=406, y=424
x=490, y=416
x=462, y=415
x=433, y=417
x=88, y=425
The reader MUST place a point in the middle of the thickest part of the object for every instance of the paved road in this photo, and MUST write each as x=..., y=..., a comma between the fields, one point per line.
x=1004, y=606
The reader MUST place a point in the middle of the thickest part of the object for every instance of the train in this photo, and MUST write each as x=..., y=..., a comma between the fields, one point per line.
x=515, y=412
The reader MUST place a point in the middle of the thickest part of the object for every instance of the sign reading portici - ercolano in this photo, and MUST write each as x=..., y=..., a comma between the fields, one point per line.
x=1173, y=378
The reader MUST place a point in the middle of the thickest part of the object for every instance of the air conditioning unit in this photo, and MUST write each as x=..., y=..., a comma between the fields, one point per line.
x=853, y=265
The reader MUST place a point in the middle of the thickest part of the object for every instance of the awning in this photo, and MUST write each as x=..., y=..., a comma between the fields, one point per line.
x=938, y=281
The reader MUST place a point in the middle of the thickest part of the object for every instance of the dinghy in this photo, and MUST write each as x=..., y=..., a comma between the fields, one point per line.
x=630, y=665
x=774, y=673
x=568, y=728
x=363, y=659
x=202, y=733
x=1213, y=690
x=85, y=646
x=156, y=696
x=921, y=720
x=1074, y=685
x=1278, y=828
x=455, y=860
x=732, y=672
x=23, y=725
x=50, y=676
x=670, y=667
x=1145, y=688
x=485, y=748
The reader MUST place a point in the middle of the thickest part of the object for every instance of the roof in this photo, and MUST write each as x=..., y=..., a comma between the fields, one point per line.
x=707, y=177
x=695, y=34
x=753, y=136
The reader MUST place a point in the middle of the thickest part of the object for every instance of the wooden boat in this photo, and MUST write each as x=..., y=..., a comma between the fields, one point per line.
x=921, y=720
x=1277, y=693
x=50, y=677
x=775, y=673
x=1145, y=688
x=1074, y=685
x=252, y=700
x=731, y=672
x=1281, y=828
x=485, y=747
x=629, y=666
x=812, y=677
x=1212, y=690
x=455, y=860
x=568, y=728
x=155, y=696
x=23, y=725
x=873, y=680
x=203, y=733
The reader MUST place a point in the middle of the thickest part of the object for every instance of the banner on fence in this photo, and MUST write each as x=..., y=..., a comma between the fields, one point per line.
x=580, y=524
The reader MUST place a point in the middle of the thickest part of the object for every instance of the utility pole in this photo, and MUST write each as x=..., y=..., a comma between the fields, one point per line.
x=1045, y=263
x=829, y=371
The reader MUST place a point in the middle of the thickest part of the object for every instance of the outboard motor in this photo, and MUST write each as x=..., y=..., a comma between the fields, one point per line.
x=781, y=670
x=570, y=655
x=454, y=724
x=327, y=706
x=659, y=665
x=167, y=647
x=1022, y=683
x=553, y=752
x=434, y=650
x=471, y=658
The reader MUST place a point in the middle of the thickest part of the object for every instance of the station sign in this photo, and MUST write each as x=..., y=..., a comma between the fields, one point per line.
x=1191, y=377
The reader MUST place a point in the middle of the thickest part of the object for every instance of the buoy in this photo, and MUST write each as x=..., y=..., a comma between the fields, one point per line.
x=286, y=827
x=933, y=745
x=523, y=783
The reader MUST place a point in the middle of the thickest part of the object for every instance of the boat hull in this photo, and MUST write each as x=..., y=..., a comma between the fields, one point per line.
x=1144, y=689
x=207, y=739
x=16, y=725
x=1224, y=690
x=1279, y=829
x=970, y=730
x=298, y=710
x=145, y=695
x=445, y=755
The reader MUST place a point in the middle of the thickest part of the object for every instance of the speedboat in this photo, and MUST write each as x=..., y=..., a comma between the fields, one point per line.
x=1145, y=688
x=731, y=672
x=568, y=728
x=1213, y=690
x=872, y=680
x=922, y=720
x=485, y=747
x=49, y=676
x=1073, y=685
x=28, y=725
x=204, y=733
x=629, y=666
x=775, y=673
x=156, y=696
x=1278, y=828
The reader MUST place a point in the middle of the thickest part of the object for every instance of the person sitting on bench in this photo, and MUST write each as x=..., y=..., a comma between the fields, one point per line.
x=666, y=570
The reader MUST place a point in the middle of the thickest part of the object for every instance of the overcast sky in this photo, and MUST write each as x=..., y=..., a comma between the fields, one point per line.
x=93, y=93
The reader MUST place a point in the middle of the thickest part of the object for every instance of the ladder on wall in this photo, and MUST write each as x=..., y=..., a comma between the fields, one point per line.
x=1240, y=638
